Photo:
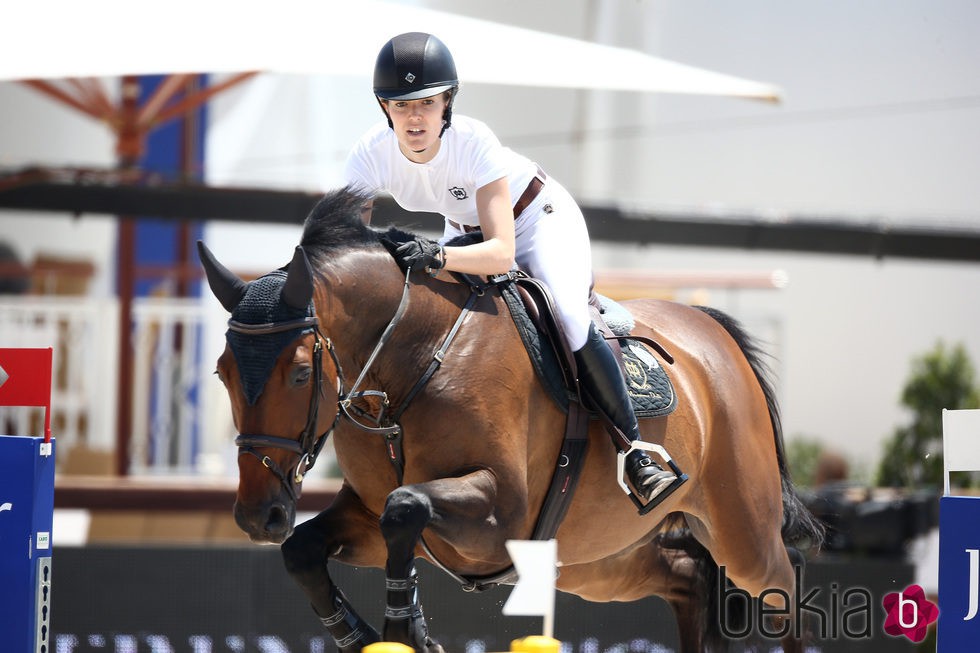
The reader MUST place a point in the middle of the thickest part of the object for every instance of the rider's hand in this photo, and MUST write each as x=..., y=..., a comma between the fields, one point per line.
x=420, y=254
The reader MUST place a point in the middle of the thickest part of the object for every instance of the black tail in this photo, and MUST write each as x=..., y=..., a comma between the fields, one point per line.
x=800, y=527
x=707, y=578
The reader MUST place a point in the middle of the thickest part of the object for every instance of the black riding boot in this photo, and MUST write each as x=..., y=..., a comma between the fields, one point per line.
x=601, y=378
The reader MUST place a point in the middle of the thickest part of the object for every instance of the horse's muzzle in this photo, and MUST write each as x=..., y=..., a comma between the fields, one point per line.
x=269, y=523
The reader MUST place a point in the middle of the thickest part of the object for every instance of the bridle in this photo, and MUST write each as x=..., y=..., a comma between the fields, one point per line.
x=309, y=444
x=385, y=423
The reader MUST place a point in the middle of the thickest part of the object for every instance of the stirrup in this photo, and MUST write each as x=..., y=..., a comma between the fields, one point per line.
x=640, y=445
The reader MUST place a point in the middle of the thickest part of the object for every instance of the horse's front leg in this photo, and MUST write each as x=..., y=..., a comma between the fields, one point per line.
x=348, y=527
x=454, y=508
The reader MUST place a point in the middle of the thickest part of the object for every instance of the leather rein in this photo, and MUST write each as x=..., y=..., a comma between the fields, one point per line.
x=308, y=445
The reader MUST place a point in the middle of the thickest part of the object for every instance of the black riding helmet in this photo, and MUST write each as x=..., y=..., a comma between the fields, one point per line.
x=412, y=66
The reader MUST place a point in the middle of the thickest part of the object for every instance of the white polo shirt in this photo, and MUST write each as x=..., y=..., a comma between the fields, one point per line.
x=469, y=157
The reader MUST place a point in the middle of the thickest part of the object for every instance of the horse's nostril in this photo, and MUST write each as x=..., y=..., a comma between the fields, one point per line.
x=278, y=519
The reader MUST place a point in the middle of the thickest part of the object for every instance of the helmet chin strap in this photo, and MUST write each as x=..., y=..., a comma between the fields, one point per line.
x=447, y=114
x=381, y=103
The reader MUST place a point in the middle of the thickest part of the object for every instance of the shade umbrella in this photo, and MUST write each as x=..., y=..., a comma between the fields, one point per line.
x=102, y=38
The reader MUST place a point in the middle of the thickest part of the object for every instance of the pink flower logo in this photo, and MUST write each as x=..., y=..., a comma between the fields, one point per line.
x=909, y=613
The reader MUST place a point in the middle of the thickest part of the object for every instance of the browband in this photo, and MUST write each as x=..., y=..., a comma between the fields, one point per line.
x=273, y=327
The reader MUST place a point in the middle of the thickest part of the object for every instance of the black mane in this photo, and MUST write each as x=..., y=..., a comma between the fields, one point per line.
x=335, y=224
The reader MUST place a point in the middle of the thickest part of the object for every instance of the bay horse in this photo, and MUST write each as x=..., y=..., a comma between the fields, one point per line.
x=477, y=438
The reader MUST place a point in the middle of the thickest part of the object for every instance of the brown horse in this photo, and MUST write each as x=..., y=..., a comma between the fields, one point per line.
x=448, y=456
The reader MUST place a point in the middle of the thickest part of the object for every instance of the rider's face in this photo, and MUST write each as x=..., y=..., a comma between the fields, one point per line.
x=417, y=125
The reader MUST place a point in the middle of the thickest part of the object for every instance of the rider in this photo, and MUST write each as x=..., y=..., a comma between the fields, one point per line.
x=427, y=159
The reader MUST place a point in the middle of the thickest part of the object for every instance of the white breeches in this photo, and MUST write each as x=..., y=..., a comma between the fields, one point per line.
x=552, y=245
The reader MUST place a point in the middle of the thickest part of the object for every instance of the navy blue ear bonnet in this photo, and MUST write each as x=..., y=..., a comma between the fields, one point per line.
x=256, y=354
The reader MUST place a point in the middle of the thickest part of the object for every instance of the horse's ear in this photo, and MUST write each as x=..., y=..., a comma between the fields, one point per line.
x=225, y=285
x=298, y=290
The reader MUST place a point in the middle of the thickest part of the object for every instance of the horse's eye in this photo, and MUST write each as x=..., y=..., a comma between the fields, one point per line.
x=221, y=377
x=301, y=376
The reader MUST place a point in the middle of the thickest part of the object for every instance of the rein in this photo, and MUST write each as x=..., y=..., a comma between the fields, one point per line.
x=344, y=403
x=309, y=444
x=387, y=424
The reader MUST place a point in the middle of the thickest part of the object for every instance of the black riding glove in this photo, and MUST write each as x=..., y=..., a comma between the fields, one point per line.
x=420, y=254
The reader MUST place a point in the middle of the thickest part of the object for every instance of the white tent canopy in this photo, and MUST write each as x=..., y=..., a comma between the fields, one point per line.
x=105, y=38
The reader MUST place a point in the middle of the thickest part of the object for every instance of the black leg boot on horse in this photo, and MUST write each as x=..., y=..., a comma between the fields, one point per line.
x=407, y=512
x=602, y=379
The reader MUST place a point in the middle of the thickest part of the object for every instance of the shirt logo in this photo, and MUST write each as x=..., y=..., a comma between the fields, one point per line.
x=458, y=193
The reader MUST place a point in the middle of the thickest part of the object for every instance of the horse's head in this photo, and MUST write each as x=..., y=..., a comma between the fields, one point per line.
x=273, y=369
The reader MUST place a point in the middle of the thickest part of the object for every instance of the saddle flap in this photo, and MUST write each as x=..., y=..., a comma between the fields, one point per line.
x=540, y=307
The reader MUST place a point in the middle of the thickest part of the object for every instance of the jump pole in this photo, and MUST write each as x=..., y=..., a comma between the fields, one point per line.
x=26, y=506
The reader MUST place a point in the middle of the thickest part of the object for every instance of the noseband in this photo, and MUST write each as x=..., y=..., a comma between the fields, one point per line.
x=308, y=445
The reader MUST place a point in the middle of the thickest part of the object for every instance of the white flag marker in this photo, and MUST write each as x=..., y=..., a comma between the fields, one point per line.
x=534, y=593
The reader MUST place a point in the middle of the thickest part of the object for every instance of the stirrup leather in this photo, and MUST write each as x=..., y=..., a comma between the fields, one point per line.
x=640, y=445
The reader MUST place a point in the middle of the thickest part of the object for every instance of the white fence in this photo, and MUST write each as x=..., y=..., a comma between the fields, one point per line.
x=168, y=369
x=82, y=334
x=167, y=411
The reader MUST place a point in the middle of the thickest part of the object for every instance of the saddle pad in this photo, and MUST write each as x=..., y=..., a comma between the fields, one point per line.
x=649, y=386
x=646, y=380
